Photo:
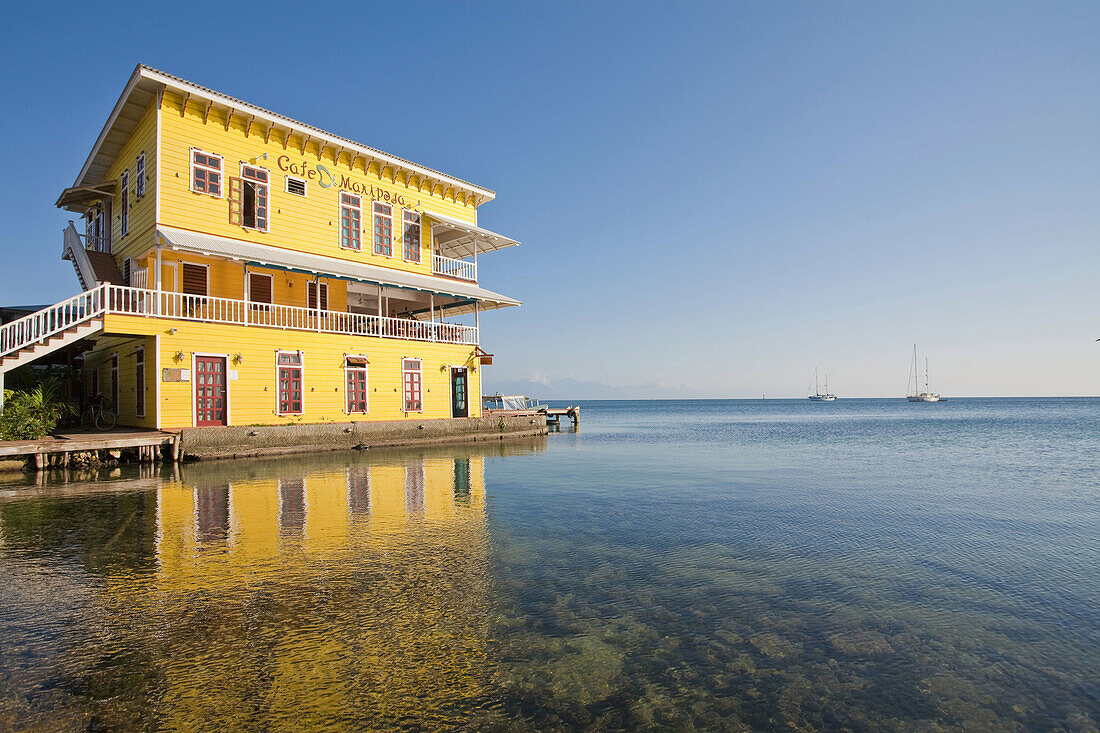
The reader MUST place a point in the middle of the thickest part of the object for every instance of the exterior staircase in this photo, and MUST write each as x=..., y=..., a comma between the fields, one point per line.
x=93, y=267
x=52, y=328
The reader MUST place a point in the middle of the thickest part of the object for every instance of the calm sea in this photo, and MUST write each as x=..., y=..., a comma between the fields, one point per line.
x=695, y=565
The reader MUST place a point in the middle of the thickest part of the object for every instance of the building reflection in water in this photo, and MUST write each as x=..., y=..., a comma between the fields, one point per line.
x=349, y=591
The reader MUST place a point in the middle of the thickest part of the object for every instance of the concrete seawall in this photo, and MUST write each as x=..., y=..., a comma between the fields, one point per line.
x=240, y=441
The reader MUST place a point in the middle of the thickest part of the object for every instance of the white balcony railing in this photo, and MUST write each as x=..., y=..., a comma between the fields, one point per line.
x=461, y=269
x=117, y=299
x=139, y=277
x=151, y=303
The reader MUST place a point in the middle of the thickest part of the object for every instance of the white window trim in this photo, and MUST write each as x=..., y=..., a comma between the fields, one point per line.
x=139, y=351
x=180, y=284
x=420, y=224
x=124, y=203
x=304, y=182
x=340, y=223
x=322, y=284
x=373, y=214
x=248, y=282
x=194, y=386
x=139, y=176
x=193, y=165
x=404, y=371
x=267, y=184
x=366, y=370
x=116, y=383
x=302, y=356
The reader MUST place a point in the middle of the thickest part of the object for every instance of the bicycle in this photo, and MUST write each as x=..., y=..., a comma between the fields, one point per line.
x=98, y=415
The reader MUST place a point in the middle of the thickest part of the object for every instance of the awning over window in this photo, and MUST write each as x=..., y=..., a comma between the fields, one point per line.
x=458, y=239
x=263, y=255
x=79, y=198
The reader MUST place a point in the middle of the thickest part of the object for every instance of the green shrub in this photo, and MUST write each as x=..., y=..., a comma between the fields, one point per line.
x=34, y=414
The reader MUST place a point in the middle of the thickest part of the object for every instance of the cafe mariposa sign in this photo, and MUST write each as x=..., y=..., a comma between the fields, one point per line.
x=326, y=178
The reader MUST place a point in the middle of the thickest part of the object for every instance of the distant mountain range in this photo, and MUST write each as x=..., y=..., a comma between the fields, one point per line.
x=573, y=389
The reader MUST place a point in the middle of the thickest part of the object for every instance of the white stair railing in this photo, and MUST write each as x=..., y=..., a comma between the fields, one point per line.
x=73, y=246
x=39, y=326
x=461, y=269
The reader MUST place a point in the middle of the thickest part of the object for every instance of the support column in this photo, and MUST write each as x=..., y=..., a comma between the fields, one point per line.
x=317, y=292
x=431, y=315
x=477, y=326
x=1, y=391
x=156, y=282
x=248, y=293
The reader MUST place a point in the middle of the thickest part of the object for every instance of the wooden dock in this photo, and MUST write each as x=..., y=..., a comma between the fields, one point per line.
x=555, y=414
x=57, y=450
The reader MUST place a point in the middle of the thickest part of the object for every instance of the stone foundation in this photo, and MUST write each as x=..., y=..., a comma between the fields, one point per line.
x=241, y=441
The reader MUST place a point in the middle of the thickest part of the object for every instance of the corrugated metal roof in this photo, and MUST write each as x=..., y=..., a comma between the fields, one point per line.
x=465, y=238
x=266, y=255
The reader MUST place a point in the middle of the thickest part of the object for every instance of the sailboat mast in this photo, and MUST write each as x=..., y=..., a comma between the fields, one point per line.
x=926, y=374
x=817, y=390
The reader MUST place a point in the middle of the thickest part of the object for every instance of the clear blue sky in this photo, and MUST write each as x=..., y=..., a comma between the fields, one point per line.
x=712, y=198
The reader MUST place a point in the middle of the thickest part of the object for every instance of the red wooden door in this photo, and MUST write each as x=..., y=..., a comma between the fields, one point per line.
x=210, y=407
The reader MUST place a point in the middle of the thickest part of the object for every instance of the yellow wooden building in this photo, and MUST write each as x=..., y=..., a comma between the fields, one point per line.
x=242, y=268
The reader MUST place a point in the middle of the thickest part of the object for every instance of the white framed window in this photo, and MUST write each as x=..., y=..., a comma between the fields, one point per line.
x=296, y=186
x=351, y=221
x=139, y=176
x=356, y=384
x=206, y=173
x=249, y=198
x=124, y=184
x=410, y=237
x=288, y=375
x=412, y=379
x=383, y=229
x=311, y=296
x=139, y=382
x=261, y=289
x=195, y=278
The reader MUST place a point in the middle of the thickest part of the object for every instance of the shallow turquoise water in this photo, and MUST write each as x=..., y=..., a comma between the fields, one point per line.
x=865, y=564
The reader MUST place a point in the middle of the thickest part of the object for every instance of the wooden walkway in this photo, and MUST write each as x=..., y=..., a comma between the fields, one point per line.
x=555, y=414
x=149, y=445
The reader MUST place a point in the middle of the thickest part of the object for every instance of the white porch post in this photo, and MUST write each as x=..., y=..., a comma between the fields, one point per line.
x=477, y=326
x=248, y=293
x=431, y=315
x=156, y=282
x=1, y=391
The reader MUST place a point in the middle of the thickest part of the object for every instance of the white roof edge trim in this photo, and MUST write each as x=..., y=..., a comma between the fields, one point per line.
x=275, y=118
x=471, y=228
x=134, y=77
x=211, y=245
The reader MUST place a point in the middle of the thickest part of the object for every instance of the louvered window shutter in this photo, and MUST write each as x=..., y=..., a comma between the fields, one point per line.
x=194, y=279
x=235, y=201
x=260, y=289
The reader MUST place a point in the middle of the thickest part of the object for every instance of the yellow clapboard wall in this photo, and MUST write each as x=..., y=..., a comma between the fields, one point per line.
x=253, y=394
x=307, y=224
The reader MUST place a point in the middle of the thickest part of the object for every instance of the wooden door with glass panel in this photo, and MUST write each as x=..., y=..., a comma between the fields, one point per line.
x=210, y=391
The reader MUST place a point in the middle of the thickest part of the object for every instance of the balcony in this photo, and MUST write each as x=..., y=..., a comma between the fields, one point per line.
x=181, y=306
x=107, y=299
x=458, y=269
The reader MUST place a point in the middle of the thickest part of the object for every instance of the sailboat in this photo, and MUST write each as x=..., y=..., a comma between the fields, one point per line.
x=917, y=396
x=817, y=396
